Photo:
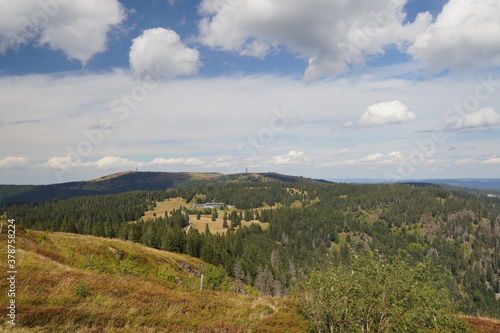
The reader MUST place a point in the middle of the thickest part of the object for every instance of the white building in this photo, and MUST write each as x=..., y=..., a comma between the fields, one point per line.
x=210, y=205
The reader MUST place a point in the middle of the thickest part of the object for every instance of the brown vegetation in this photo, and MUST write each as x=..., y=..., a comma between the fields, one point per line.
x=483, y=325
x=216, y=226
x=74, y=283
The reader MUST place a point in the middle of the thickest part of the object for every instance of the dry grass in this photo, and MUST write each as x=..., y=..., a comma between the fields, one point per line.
x=115, y=175
x=164, y=206
x=132, y=288
x=127, y=288
x=483, y=325
x=216, y=226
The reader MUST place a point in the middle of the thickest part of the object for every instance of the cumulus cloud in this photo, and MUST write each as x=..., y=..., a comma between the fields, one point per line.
x=66, y=163
x=162, y=51
x=464, y=35
x=78, y=28
x=109, y=162
x=486, y=117
x=384, y=113
x=292, y=157
x=177, y=161
x=331, y=35
x=62, y=163
x=14, y=162
x=113, y=162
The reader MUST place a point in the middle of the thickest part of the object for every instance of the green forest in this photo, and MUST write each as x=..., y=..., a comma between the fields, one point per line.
x=447, y=243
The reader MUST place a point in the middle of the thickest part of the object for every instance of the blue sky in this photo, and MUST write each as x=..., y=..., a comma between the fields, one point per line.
x=183, y=18
x=327, y=89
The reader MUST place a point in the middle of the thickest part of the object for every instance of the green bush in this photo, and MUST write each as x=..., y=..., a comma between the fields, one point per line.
x=370, y=296
x=215, y=278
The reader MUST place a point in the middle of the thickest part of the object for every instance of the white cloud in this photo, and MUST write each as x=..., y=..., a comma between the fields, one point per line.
x=108, y=162
x=47, y=114
x=67, y=163
x=479, y=160
x=464, y=35
x=161, y=51
x=465, y=161
x=384, y=113
x=177, y=161
x=486, y=117
x=371, y=158
x=329, y=34
x=394, y=157
x=114, y=162
x=62, y=163
x=14, y=162
x=78, y=28
x=292, y=157
x=492, y=160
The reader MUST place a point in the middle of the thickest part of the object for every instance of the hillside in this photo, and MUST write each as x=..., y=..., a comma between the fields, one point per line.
x=270, y=236
x=78, y=283
x=131, y=181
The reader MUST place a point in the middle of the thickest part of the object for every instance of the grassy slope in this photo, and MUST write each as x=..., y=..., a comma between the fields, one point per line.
x=78, y=283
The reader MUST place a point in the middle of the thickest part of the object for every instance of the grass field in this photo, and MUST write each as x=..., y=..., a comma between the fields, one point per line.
x=164, y=206
x=216, y=226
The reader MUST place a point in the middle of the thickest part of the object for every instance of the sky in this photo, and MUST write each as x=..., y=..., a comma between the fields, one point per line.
x=385, y=89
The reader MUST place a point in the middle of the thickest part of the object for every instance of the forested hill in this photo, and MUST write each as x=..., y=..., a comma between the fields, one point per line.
x=307, y=224
x=131, y=181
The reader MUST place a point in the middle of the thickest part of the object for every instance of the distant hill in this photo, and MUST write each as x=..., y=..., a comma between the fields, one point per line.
x=473, y=183
x=133, y=181
x=486, y=184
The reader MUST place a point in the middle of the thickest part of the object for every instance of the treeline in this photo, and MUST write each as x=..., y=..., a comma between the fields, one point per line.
x=247, y=195
x=458, y=232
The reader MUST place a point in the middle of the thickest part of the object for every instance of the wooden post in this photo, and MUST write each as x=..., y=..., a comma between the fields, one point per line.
x=201, y=282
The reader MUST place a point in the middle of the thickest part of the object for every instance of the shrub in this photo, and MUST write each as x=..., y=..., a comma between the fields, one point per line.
x=370, y=296
x=215, y=278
